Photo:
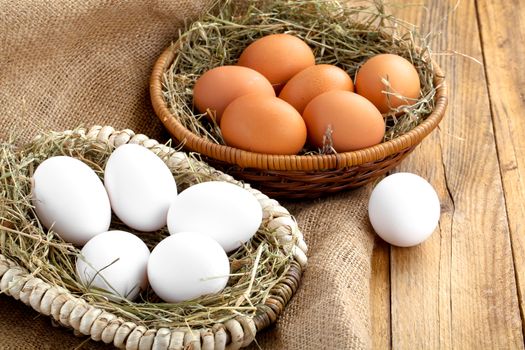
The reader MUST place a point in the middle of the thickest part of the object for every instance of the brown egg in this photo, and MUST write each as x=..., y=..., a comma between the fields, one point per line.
x=401, y=76
x=353, y=121
x=278, y=57
x=218, y=87
x=263, y=124
x=313, y=81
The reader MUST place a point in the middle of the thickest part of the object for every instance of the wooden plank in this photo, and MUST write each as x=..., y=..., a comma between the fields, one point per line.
x=380, y=296
x=458, y=290
x=502, y=25
x=421, y=275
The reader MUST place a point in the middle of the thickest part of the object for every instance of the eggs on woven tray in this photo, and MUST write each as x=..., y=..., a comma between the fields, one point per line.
x=205, y=222
x=317, y=105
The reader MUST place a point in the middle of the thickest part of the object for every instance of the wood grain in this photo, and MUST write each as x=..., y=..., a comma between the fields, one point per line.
x=380, y=296
x=421, y=283
x=502, y=25
x=458, y=289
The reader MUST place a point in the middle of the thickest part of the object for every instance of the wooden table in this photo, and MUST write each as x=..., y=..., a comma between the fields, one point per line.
x=464, y=288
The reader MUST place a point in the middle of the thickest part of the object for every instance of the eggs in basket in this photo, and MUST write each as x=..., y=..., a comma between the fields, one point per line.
x=277, y=100
x=205, y=222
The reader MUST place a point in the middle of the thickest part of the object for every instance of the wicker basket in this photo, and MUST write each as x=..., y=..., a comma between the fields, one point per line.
x=296, y=176
x=73, y=311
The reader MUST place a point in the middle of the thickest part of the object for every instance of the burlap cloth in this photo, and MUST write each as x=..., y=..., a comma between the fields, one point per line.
x=64, y=63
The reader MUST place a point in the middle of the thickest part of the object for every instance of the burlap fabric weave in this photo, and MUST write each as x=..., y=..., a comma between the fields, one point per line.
x=68, y=63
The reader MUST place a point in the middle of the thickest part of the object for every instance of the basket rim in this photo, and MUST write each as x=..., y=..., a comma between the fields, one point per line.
x=247, y=159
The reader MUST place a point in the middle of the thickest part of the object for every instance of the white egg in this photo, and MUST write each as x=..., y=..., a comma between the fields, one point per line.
x=404, y=209
x=140, y=187
x=228, y=213
x=115, y=261
x=70, y=199
x=187, y=265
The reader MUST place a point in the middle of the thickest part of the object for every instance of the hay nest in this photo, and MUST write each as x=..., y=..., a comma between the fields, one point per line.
x=345, y=35
x=37, y=267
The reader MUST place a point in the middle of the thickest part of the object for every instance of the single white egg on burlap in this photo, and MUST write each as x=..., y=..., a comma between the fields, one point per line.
x=404, y=209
